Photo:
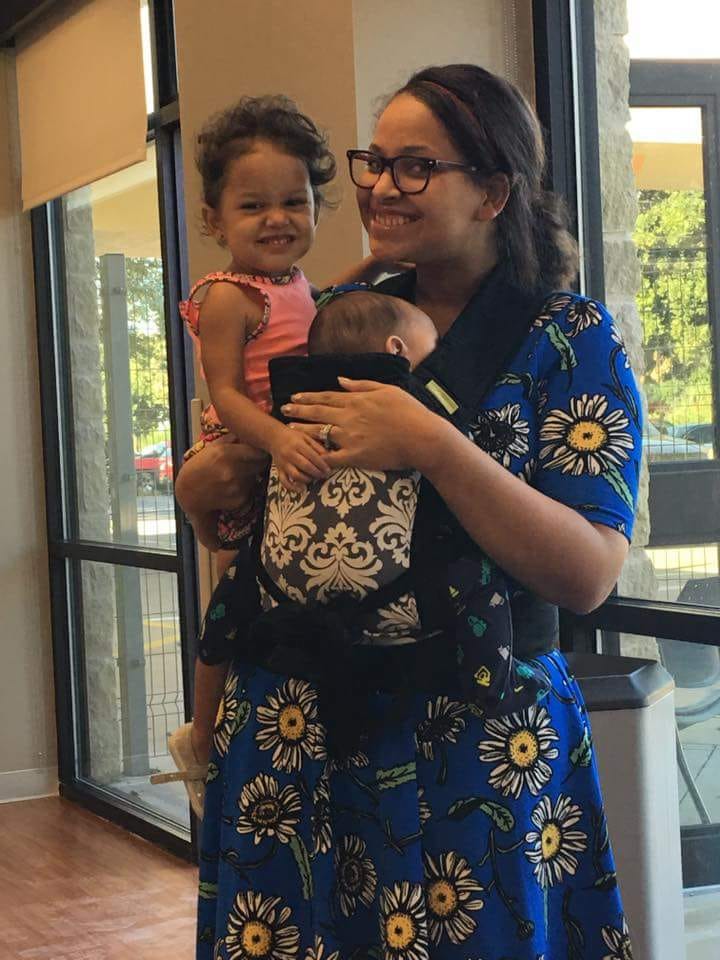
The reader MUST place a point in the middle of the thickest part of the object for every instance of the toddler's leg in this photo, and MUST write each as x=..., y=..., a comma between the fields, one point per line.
x=209, y=687
x=205, y=526
x=223, y=559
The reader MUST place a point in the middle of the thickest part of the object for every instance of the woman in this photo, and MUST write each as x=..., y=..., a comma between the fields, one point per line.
x=449, y=835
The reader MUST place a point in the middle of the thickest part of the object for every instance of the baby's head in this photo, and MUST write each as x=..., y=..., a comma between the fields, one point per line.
x=263, y=165
x=362, y=321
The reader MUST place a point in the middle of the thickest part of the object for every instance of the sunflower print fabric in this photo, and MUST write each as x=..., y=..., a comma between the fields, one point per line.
x=451, y=837
x=449, y=834
x=566, y=417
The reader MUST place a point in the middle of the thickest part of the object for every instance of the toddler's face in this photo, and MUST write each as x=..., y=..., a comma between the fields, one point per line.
x=266, y=214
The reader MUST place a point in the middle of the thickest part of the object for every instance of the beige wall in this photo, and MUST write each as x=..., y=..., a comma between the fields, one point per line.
x=27, y=722
x=393, y=38
x=224, y=54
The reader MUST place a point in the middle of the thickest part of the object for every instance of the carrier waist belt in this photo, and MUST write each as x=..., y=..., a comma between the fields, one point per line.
x=318, y=643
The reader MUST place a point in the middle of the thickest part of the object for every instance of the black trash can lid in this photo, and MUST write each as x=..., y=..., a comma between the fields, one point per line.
x=619, y=683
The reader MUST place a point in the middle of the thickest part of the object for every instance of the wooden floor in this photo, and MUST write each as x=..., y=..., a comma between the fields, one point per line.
x=74, y=887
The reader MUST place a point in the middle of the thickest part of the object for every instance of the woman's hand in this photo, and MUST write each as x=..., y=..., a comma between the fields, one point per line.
x=368, y=270
x=374, y=426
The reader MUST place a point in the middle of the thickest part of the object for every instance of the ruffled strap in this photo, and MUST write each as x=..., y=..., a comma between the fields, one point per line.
x=190, y=308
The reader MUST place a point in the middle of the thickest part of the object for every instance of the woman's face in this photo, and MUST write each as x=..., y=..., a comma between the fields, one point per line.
x=439, y=224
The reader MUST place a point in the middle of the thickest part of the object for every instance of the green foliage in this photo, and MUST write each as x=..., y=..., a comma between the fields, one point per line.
x=670, y=235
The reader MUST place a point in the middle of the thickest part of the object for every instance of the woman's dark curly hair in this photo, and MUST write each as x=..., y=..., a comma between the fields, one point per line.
x=230, y=134
x=495, y=129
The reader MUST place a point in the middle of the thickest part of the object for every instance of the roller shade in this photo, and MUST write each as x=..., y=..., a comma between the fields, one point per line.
x=81, y=98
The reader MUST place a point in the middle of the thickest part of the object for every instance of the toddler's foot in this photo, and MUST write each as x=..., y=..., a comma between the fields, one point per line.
x=200, y=746
x=191, y=771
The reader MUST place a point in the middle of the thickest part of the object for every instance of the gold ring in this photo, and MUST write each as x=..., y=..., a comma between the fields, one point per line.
x=325, y=436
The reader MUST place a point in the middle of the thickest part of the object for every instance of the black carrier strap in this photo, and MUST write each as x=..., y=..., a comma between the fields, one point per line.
x=453, y=381
x=464, y=367
x=320, y=372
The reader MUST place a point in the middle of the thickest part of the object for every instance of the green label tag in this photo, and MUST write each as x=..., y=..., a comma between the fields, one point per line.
x=442, y=395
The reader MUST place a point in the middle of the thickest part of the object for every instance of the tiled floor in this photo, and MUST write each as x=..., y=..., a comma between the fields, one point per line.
x=74, y=887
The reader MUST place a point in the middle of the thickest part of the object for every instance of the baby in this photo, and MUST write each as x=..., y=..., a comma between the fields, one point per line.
x=366, y=335
x=354, y=320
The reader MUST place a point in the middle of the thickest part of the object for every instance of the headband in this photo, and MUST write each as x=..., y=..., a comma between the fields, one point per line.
x=447, y=92
x=329, y=294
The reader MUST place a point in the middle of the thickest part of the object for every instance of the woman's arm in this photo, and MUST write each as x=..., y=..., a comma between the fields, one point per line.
x=548, y=547
x=367, y=270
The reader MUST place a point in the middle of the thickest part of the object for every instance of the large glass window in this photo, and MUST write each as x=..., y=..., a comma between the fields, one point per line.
x=129, y=649
x=651, y=232
x=672, y=235
x=119, y=487
x=118, y=359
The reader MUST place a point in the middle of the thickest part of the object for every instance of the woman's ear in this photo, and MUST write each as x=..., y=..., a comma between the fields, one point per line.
x=497, y=190
x=211, y=222
x=396, y=345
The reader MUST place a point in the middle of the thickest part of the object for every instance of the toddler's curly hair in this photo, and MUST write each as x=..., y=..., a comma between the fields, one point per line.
x=230, y=133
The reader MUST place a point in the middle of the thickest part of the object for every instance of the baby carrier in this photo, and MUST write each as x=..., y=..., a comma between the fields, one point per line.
x=349, y=571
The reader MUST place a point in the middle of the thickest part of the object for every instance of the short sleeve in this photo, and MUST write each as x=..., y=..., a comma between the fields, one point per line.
x=588, y=414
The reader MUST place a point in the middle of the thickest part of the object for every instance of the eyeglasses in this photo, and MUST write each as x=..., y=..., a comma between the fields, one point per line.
x=409, y=174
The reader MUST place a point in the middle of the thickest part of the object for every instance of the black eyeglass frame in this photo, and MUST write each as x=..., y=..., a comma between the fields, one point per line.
x=389, y=163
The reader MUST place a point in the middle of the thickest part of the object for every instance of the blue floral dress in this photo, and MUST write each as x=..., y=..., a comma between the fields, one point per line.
x=449, y=835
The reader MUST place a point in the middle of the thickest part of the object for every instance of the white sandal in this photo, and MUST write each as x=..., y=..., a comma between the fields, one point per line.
x=189, y=771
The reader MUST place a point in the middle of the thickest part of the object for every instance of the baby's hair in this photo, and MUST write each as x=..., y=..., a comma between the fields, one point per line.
x=356, y=322
x=230, y=133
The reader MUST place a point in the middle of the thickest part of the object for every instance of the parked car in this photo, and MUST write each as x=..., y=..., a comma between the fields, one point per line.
x=154, y=468
x=661, y=446
x=697, y=432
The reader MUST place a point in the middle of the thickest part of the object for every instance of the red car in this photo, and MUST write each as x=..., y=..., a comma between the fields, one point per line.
x=154, y=468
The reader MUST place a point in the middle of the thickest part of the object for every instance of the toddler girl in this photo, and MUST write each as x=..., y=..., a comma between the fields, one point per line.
x=263, y=166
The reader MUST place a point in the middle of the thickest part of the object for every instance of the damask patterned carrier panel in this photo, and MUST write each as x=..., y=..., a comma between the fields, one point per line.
x=351, y=536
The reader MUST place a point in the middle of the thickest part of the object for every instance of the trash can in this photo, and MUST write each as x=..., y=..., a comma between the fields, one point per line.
x=632, y=713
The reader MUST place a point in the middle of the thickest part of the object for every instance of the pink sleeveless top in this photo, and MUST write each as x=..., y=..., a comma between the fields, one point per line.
x=283, y=329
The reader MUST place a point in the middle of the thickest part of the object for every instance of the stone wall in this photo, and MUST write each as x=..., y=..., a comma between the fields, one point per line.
x=88, y=399
x=622, y=268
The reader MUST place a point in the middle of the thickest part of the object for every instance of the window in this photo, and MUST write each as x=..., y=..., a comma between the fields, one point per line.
x=115, y=412
x=635, y=146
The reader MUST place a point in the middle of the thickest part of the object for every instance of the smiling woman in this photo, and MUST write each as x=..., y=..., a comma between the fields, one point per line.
x=449, y=802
